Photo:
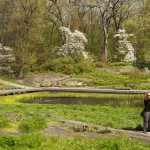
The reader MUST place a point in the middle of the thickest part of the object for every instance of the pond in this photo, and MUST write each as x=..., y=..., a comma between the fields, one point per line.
x=115, y=102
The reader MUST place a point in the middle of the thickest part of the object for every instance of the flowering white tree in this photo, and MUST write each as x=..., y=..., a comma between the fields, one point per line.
x=74, y=43
x=6, y=58
x=125, y=48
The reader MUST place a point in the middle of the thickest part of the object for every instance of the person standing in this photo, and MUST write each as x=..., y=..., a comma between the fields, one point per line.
x=146, y=113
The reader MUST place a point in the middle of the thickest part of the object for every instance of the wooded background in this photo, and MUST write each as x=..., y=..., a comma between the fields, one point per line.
x=31, y=29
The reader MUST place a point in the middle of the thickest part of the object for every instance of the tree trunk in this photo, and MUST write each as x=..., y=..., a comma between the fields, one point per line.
x=21, y=66
x=104, y=56
x=21, y=72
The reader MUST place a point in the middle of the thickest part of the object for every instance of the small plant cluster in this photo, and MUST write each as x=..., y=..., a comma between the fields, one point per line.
x=25, y=125
x=32, y=124
x=4, y=122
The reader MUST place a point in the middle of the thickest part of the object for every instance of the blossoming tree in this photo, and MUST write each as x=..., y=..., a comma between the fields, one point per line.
x=125, y=48
x=6, y=58
x=74, y=43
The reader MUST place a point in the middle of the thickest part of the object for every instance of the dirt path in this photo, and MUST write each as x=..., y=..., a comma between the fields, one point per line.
x=52, y=130
x=102, y=131
x=69, y=128
x=14, y=84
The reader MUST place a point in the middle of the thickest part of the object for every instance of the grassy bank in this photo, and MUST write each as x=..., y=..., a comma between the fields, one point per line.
x=117, y=78
x=112, y=76
x=22, y=97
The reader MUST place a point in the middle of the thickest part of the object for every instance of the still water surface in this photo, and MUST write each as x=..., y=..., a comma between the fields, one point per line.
x=119, y=102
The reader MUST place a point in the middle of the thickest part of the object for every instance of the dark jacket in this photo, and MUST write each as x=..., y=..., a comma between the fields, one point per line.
x=147, y=104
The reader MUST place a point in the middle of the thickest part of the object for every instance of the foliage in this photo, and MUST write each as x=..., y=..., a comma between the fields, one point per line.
x=73, y=43
x=32, y=124
x=94, y=114
x=4, y=122
x=141, y=63
x=139, y=26
x=41, y=142
x=118, y=64
x=101, y=77
x=69, y=65
x=125, y=48
x=25, y=141
x=6, y=58
x=34, y=34
x=22, y=29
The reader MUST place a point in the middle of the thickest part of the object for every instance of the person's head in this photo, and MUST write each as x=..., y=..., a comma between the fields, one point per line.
x=147, y=95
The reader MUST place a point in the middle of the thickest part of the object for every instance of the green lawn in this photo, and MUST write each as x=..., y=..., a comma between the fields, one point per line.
x=15, y=115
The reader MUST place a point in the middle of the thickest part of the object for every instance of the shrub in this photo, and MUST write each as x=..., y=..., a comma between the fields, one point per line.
x=4, y=122
x=135, y=75
x=85, y=66
x=70, y=65
x=141, y=63
x=32, y=124
x=118, y=64
x=25, y=141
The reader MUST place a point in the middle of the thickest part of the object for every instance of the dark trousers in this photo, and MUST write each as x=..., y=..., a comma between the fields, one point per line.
x=146, y=119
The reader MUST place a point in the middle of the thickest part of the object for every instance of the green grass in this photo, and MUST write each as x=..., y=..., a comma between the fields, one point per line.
x=4, y=87
x=104, y=79
x=41, y=142
x=10, y=78
x=117, y=75
x=101, y=115
x=32, y=124
x=18, y=114
x=22, y=97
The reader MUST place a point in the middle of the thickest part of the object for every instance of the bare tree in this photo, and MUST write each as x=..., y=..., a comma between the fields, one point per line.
x=122, y=10
x=104, y=7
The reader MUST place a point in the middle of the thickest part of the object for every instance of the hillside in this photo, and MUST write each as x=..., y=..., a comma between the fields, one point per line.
x=105, y=77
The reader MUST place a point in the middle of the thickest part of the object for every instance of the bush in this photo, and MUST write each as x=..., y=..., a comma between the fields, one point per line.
x=32, y=124
x=135, y=76
x=141, y=63
x=25, y=141
x=85, y=66
x=4, y=122
x=117, y=64
x=70, y=65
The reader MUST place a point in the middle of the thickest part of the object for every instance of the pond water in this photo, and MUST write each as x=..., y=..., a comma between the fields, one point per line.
x=119, y=102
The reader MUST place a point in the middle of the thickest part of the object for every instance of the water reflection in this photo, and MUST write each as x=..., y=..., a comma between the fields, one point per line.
x=90, y=101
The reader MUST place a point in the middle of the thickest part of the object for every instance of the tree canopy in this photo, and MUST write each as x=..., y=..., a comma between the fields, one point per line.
x=32, y=29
